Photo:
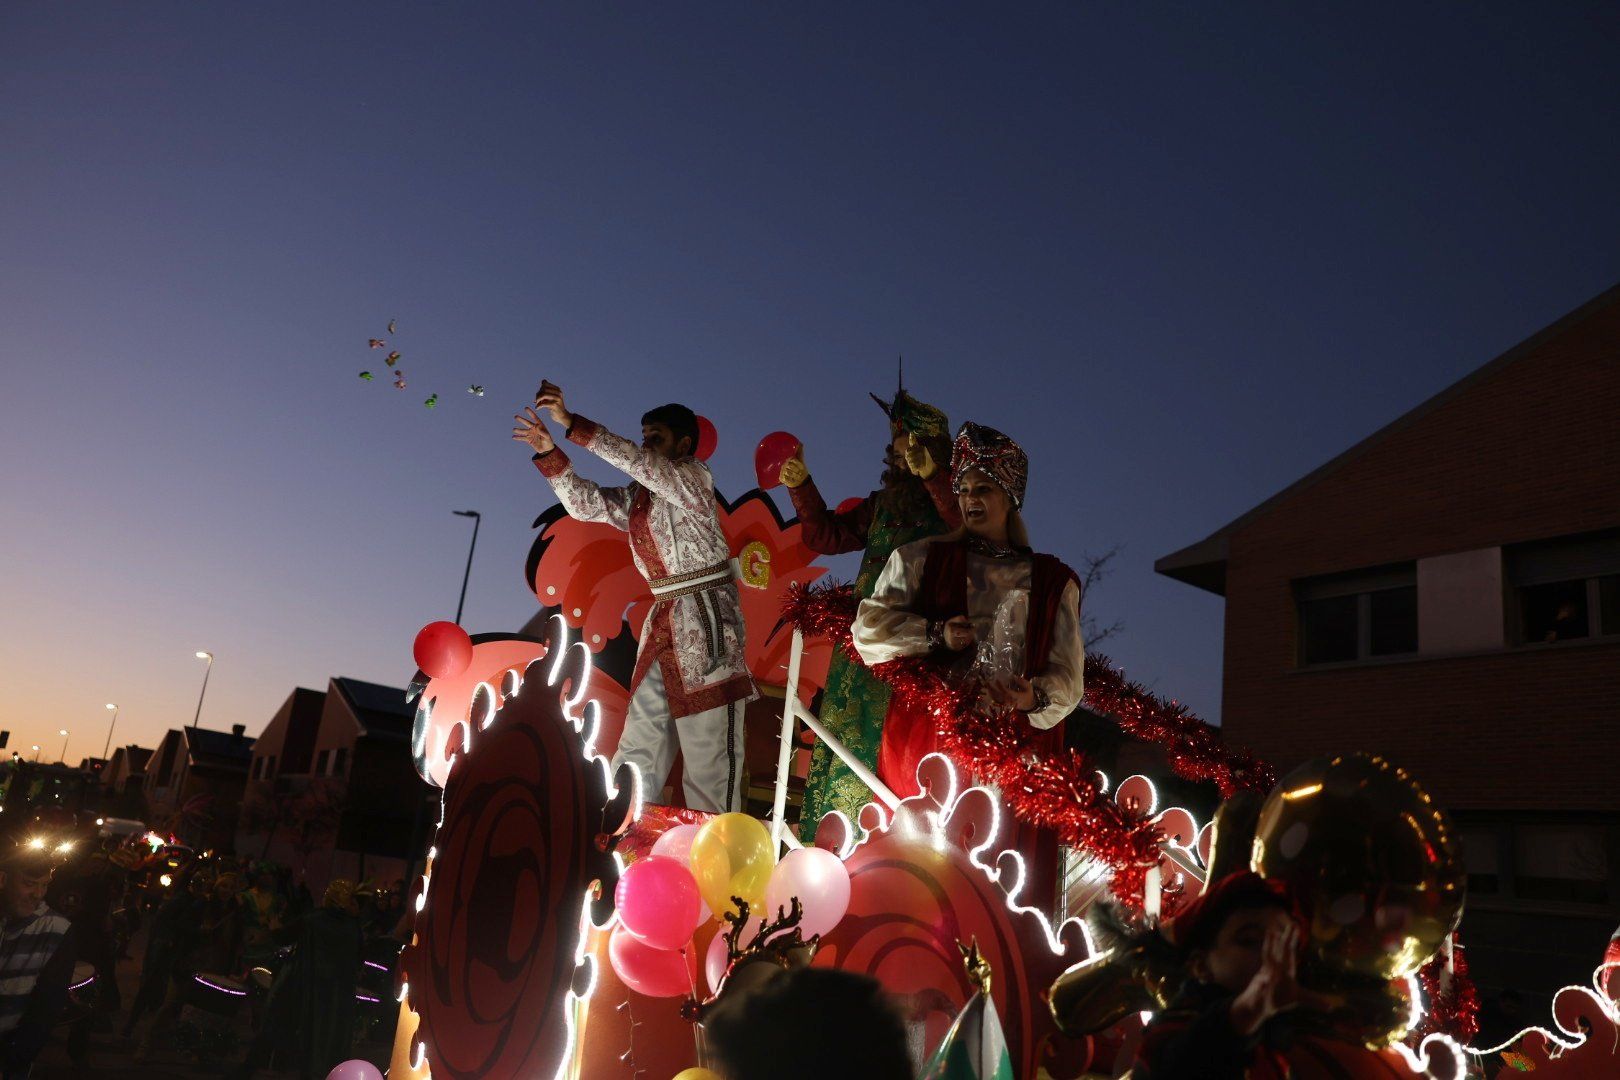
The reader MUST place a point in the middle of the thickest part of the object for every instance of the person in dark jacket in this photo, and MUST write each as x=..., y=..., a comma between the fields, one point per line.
x=311, y=1011
x=1240, y=943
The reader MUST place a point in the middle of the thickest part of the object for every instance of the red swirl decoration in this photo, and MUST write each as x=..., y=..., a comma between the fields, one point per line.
x=1057, y=792
x=493, y=958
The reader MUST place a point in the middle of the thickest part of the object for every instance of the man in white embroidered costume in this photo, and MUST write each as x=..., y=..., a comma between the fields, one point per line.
x=979, y=603
x=691, y=679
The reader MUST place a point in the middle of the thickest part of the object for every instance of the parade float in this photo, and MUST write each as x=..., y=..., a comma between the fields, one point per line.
x=568, y=924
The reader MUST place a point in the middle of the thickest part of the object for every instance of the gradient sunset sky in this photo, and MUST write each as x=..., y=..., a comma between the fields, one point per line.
x=1185, y=253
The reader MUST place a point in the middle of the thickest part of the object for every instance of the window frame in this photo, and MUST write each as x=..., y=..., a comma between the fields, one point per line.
x=1361, y=584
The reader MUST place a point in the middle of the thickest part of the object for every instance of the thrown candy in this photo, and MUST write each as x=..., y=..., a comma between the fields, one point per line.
x=475, y=390
x=366, y=375
x=392, y=358
x=377, y=343
x=432, y=401
x=399, y=383
x=391, y=326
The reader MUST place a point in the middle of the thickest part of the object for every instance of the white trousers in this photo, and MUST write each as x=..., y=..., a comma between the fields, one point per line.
x=711, y=745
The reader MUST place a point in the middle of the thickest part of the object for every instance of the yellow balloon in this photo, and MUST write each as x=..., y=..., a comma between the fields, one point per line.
x=698, y=1074
x=732, y=855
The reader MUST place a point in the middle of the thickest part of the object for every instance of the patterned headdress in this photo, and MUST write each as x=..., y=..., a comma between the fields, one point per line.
x=994, y=454
x=909, y=416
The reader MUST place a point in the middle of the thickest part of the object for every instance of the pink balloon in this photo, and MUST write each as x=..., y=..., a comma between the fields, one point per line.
x=442, y=650
x=714, y=961
x=821, y=882
x=658, y=902
x=653, y=972
x=676, y=843
x=771, y=454
x=354, y=1069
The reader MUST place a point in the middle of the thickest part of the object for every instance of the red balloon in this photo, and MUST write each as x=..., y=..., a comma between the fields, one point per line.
x=849, y=505
x=708, y=439
x=771, y=454
x=442, y=650
x=651, y=971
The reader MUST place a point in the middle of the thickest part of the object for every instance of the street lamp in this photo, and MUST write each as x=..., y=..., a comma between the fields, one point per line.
x=64, y=734
x=478, y=519
x=110, y=727
x=35, y=748
x=208, y=656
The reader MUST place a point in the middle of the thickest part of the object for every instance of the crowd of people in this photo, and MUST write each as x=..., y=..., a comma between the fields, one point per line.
x=228, y=939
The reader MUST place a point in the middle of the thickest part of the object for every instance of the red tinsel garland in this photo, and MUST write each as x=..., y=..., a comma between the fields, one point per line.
x=1451, y=1002
x=1057, y=792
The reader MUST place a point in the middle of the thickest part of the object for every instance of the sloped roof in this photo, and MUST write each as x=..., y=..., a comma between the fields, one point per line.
x=219, y=747
x=381, y=710
x=1204, y=564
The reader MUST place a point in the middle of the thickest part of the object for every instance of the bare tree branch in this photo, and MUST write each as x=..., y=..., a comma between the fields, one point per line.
x=1093, y=569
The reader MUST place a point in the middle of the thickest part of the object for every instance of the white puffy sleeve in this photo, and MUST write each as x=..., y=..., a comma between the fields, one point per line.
x=1062, y=680
x=885, y=629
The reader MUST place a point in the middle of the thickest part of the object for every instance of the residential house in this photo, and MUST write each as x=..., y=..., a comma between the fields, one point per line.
x=194, y=783
x=334, y=793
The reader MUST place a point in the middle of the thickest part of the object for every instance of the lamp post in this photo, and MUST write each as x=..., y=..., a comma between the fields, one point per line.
x=35, y=748
x=478, y=519
x=112, y=724
x=208, y=656
x=64, y=734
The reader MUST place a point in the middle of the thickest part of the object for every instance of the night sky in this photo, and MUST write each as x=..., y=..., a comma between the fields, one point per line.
x=1183, y=253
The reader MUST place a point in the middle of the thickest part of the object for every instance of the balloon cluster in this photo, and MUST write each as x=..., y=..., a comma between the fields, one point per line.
x=698, y=873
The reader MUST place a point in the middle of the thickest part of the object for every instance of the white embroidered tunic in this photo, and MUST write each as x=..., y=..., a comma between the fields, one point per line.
x=694, y=630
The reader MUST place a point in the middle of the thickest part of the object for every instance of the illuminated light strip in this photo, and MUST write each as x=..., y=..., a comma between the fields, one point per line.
x=374, y=964
x=1573, y=1038
x=81, y=985
x=1152, y=807
x=363, y=997
x=490, y=709
x=1010, y=895
x=221, y=989
x=1419, y=1062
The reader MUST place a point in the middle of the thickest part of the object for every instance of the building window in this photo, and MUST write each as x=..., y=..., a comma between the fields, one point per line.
x=1566, y=589
x=1363, y=615
x=339, y=760
x=1561, y=862
x=1481, y=859
x=320, y=762
x=270, y=765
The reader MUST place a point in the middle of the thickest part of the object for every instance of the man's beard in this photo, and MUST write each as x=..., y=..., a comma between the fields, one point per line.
x=896, y=475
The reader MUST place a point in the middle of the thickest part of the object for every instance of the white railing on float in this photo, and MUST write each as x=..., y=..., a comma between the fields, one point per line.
x=793, y=712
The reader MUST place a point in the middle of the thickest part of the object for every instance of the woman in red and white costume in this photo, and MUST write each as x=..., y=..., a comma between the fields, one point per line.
x=979, y=603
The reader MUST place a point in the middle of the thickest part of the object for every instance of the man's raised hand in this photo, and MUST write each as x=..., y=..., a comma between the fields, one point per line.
x=531, y=429
x=1274, y=988
x=550, y=398
x=793, y=471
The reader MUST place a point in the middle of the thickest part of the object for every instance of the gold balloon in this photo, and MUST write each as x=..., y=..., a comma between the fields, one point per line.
x=1232, y=835
x=1371, y=860
x=698, y=1074
x=732, y=856
x=1097, y=993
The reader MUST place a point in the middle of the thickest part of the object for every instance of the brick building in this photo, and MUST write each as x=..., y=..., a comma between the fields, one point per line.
x=331, y=790
x=1447, y=593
